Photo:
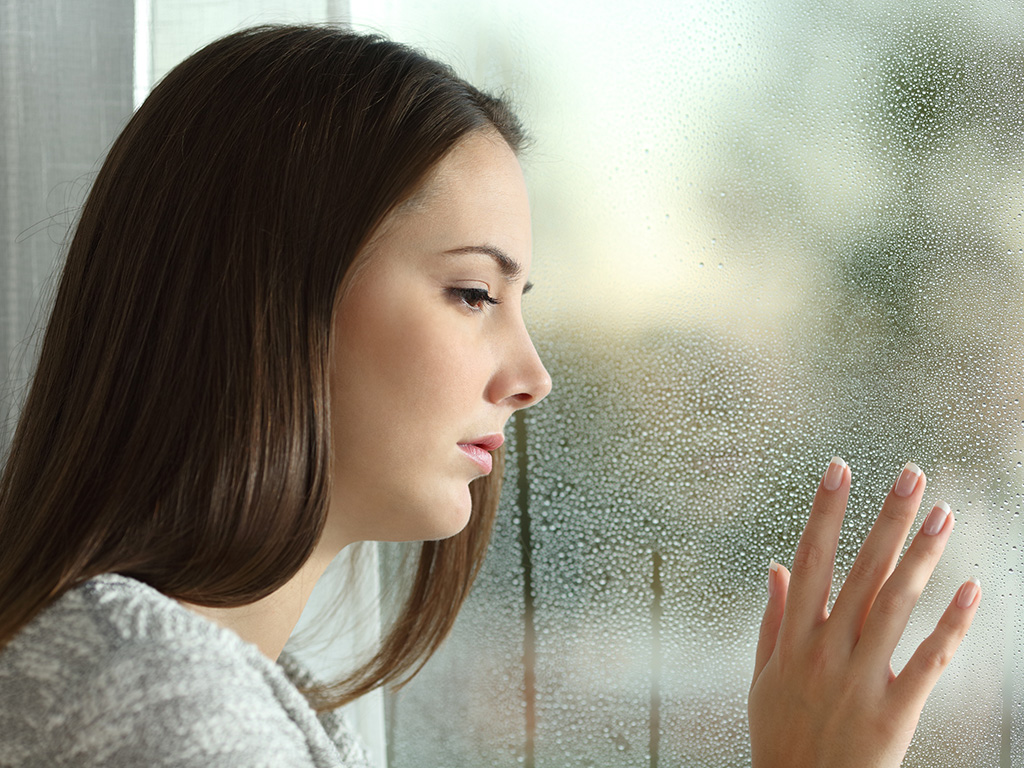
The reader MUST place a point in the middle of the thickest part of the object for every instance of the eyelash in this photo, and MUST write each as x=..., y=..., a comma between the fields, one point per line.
x=474, y=297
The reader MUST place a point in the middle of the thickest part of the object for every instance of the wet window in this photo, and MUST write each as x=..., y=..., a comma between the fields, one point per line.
x=766, y=233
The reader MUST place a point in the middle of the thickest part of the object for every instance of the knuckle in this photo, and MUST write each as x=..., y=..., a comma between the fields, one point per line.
x=897, y=513
x=918, y=557
x=950, y=626
x=865, y=570
x=935, y=656
x=891, y=726
x=891, y=602
x=809, y=556
x=826, y=509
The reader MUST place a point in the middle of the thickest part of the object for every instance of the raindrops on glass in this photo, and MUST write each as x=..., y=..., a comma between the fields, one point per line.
x=766, y=233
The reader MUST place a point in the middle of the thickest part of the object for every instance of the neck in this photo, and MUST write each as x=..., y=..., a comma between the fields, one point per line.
x=269, y=622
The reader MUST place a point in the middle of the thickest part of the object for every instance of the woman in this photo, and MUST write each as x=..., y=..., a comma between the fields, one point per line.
x=289, y=320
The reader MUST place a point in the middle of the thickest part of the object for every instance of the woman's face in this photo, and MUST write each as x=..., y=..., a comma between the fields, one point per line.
x=430, y=355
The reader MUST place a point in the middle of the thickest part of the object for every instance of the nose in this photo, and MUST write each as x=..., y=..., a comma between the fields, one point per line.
x=521, y=380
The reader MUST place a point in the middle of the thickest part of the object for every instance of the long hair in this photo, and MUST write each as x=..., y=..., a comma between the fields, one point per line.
x=177, y=429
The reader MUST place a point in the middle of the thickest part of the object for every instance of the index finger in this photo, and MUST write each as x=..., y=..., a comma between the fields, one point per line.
x=811, y=580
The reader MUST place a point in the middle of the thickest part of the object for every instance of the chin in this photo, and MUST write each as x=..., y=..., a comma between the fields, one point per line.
x=432, y=521
x=454, y=522
x=440, y=529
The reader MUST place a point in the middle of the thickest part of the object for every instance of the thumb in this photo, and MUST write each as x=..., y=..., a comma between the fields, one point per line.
x=778, y=586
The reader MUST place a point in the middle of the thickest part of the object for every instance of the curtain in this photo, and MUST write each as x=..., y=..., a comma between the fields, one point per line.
x=65, y=91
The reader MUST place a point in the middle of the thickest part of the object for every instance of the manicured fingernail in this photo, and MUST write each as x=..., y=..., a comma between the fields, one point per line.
x=936, y=518
x=834, y=473
x=968, y=593
x=773, y=574
x=908, y=479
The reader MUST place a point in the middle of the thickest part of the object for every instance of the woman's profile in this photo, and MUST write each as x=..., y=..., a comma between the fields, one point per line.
x=290, y=320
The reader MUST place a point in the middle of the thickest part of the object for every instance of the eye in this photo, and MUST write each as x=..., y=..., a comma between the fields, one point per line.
x=474, y=298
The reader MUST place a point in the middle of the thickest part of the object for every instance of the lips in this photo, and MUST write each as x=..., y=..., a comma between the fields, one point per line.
x=479, y=450
x=489, y=442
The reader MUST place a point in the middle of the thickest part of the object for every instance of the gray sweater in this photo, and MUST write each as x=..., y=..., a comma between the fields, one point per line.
x=116, y=674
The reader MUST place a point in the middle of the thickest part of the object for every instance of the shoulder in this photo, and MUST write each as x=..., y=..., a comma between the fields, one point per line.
x=114, y=673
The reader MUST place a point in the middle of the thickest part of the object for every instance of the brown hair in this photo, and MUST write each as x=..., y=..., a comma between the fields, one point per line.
x=177, y=428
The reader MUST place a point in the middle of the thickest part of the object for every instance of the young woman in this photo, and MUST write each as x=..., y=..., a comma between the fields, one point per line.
x=290, y=320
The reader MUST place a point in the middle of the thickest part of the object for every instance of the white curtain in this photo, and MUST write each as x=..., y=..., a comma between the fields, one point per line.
x=65, y=91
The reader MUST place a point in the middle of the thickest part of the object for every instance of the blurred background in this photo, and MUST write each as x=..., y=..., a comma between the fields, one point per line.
x=767, y=232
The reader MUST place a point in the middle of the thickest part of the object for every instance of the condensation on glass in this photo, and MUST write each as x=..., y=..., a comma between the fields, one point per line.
x=766, y=233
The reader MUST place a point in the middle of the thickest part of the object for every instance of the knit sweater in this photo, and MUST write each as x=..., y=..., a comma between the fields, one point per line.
x=116, y=674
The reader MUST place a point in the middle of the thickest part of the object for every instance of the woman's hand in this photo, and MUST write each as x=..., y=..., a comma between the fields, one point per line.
x=824, y=693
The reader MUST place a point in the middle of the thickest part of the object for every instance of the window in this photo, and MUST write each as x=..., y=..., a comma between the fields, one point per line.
x=766, y=233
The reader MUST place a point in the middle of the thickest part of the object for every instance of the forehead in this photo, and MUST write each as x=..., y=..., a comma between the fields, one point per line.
x=481, y=159
x=475, y=194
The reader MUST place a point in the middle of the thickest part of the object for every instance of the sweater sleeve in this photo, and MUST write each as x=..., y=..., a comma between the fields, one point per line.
x=177, y=708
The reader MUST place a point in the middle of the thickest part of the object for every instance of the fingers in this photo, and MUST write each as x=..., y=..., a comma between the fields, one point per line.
x=915, y=682
x=888, y=616
x=878, y=555
x=815, y=554
x=778, y=586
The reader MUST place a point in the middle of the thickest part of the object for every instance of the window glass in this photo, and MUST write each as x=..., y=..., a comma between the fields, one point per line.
x=766, y=233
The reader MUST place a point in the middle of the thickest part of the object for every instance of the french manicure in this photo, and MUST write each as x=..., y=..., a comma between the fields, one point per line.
x=773, y=574
x=908, y=479
x=936, y=518
x=834, y=473
x=968, y=593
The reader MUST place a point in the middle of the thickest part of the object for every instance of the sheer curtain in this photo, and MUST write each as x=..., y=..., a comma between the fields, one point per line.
x=65, y=91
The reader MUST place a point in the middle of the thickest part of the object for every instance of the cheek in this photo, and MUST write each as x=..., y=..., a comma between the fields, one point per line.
x=398, y=365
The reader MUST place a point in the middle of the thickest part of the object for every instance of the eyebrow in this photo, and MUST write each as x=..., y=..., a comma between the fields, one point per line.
x=510, y=268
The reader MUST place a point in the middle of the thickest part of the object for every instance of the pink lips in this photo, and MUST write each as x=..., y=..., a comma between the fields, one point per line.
x=479, y=451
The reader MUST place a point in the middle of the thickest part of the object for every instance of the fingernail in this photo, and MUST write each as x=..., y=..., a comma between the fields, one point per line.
x=773, y=573
x=968, y=593
x=908, y=479
x=936, y=518
x=834, y=473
